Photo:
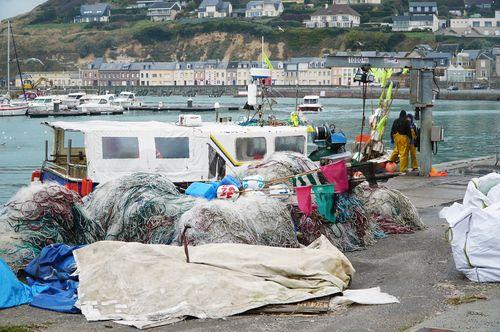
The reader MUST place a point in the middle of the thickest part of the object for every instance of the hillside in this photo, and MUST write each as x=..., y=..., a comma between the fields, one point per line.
x=46, y=34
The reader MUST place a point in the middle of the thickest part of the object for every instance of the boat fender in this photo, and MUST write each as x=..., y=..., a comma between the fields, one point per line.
x=36, y=175
x=86, y=187
x=253, y=182
x=229, y=192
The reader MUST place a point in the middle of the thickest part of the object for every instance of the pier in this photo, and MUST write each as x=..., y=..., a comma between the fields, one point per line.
x=35, y=114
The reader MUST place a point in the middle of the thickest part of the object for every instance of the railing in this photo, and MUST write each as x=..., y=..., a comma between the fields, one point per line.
x=69, y=170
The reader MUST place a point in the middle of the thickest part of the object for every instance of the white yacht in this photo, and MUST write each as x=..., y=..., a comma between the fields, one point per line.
x=46, y=104
x=310, y=104
x=9, y=107
x=102, y=104
x=126, y=98
x=72, y=100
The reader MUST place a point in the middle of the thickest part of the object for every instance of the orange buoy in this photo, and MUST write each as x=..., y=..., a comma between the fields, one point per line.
x=390, y=167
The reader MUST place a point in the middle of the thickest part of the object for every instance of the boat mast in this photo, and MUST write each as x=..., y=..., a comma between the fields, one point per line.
x=8, y=59
x=18, y=65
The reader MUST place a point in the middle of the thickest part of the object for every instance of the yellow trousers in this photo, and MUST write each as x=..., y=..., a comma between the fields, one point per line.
x=413, y=156
x=402, y=143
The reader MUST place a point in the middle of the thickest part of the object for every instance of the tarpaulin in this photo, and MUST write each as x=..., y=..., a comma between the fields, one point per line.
x=12, y=291
x=143, y=284
x=51, y=274
x=475, y=229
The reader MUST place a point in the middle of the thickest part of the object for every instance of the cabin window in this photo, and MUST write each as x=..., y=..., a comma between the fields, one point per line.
x=120, y=148
x=250, y=148
x=172, y=147
x=76, y=137
x=290, y=143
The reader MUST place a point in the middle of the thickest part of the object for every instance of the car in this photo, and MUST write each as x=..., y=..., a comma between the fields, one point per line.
x=478, y=87
x=452, y=88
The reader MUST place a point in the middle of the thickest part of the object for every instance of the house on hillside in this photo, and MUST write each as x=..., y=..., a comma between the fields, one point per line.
x=99, y=12
x=408, y=23
x=422, y=8
x=147, y=3
x=357, y=2
x=483, y=4
x=214, y=8
x=163, y=11
x=476, y=26
x=336, y=16
x=260, y=8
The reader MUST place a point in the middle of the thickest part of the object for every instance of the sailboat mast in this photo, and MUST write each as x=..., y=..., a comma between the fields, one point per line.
x=8, y=58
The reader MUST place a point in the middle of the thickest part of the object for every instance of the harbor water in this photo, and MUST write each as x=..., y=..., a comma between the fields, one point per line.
x=471, y=129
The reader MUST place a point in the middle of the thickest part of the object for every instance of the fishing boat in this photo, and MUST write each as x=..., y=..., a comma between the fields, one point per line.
x=126, y=99
x=100, y=104
x=91, y=152
x=310, y=104
x=8, y=107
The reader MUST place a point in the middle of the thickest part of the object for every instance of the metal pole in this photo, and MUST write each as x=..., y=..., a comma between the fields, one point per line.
x=68, y=158
x=8, y=58
x=425, y=141
x=46, y=150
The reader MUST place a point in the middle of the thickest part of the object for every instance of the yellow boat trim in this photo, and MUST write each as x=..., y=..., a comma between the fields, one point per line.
x=225, y=152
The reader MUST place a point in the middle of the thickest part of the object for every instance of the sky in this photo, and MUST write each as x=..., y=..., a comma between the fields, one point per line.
x=10, y=8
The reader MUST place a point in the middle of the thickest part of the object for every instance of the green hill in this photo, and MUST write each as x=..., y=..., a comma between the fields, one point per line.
x=46, y=33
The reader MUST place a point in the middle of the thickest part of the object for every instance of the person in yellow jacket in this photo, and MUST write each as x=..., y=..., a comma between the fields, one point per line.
x=400, y=135
x=414, y=142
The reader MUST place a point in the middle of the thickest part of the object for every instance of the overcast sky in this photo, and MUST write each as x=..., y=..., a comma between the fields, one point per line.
x=10, y=8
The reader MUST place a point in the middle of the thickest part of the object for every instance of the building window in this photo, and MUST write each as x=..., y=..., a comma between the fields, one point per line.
x=475, y=24
x=488, y=24
x=172, y=147
x=120, y=148
x=250, y=148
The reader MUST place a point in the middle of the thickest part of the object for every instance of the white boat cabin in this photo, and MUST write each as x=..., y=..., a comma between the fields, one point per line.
x=103, y=150
x=311, y=100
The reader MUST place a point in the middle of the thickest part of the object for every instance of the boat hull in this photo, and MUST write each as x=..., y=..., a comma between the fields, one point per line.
x=13, y=110
x=311, y=109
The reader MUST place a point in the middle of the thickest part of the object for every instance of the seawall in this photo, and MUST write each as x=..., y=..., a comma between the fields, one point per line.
x=280, y=91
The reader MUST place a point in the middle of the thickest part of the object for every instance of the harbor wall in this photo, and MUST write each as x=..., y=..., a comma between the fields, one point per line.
x=279, y=91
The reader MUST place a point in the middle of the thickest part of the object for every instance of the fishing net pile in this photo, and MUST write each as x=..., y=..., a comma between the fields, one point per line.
x=353, y=228
x=392, y=210
x=141, y=207
x=39, y=215
x=253, y=218
x=279, y=165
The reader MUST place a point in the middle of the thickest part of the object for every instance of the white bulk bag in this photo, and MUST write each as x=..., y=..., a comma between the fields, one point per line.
x=474, y=230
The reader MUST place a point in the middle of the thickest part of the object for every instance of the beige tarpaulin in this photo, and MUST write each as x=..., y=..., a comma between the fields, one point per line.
x=144, y=285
